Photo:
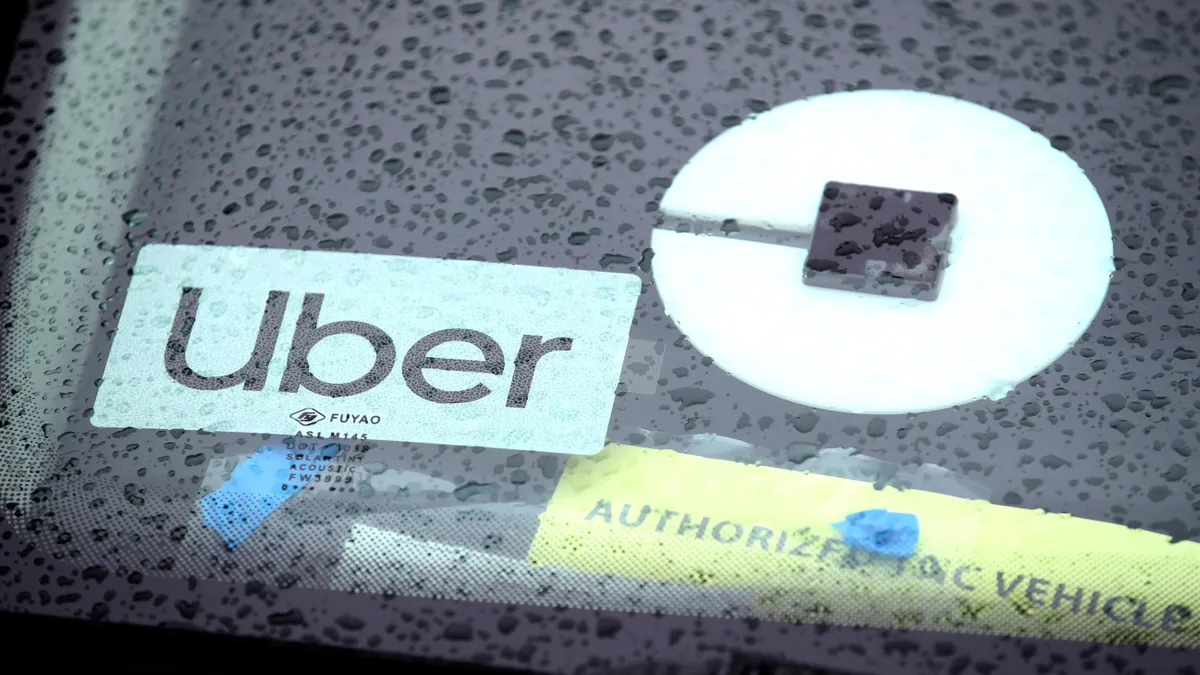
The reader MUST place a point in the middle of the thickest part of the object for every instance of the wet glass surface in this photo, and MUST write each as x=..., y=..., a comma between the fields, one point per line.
x=547, y=135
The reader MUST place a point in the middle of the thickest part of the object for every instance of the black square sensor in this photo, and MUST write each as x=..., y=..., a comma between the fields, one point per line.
x=879, y=240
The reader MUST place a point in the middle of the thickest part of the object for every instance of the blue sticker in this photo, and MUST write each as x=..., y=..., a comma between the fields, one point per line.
x=255, y=488
x=882, y=531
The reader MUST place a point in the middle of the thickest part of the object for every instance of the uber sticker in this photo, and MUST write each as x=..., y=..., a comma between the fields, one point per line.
x=1026, y=265
x=359, y=346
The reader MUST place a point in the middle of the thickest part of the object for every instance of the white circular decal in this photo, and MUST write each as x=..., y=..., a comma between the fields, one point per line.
x=1029, y=259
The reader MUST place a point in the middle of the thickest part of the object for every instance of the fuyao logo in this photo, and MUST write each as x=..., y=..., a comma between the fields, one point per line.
x=414, y=347
x=306, y=417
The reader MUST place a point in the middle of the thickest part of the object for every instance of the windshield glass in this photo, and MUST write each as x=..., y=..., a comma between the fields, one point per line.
x=877, y=315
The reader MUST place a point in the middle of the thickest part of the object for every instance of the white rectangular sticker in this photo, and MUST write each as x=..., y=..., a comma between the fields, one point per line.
x=361, y=346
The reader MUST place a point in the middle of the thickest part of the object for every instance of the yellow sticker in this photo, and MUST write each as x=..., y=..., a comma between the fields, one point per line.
x=978, y=567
